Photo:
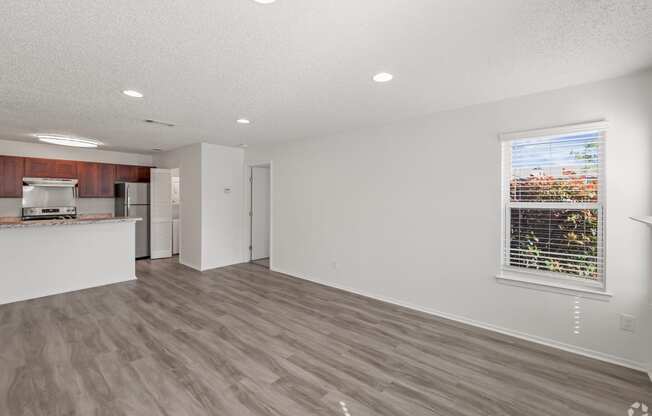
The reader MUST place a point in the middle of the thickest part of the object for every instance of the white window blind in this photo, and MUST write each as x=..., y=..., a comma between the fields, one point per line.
x=553, y=193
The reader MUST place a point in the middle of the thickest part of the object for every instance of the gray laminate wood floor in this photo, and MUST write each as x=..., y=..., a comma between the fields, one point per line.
x=245, y=341
x=262, y=262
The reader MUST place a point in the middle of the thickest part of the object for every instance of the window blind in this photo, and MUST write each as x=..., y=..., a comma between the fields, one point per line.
x=553, y=204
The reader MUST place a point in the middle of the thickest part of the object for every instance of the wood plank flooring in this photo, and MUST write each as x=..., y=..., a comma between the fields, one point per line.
x=245, y=341
x=262, y=262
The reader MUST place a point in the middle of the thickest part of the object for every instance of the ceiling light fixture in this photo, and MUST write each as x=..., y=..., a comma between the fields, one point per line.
x=133, y=93
x=69, y=141
x=243, y=121
x=264, y=1
x=383, y=77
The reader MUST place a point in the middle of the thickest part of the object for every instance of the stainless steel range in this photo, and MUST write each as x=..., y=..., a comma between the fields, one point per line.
x=45, y=198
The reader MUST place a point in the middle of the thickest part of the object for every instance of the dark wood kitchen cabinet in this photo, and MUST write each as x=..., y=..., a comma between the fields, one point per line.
x=127, y=173
x=50, y=168
x=11, y=176
x=96, y=180
x=143, y=173
x=106, y=184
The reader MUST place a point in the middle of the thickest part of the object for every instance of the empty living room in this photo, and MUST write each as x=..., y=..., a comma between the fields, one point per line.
x=330, y=208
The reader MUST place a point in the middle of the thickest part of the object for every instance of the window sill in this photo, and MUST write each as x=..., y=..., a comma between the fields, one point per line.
x=546, y=286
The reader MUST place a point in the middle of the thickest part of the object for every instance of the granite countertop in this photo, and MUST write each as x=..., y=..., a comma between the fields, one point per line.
x=16, y=222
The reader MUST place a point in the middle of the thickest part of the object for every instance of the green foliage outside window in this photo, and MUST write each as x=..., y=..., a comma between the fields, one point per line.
x=551, y=239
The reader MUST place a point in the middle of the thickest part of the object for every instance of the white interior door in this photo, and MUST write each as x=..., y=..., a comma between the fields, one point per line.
x=161, y=213
x=260, y=218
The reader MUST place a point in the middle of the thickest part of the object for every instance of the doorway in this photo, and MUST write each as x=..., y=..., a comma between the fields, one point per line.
x=260, y=214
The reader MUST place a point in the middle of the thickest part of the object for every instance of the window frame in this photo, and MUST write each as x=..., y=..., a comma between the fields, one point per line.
x=533, y=277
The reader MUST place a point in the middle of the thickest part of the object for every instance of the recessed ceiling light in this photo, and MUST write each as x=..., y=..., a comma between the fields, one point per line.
x=68, y=141
x=383, y=77
x=243, y=121
x=264, y=1
x=133, y=93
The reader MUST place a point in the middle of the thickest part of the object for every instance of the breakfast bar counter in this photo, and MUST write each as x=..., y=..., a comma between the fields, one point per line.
x=45, y=257
x=18, y=223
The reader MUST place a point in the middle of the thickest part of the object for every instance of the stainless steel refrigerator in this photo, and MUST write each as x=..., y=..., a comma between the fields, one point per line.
x=132, y=200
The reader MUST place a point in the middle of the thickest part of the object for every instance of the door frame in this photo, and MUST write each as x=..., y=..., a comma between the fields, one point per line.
x=248, y=209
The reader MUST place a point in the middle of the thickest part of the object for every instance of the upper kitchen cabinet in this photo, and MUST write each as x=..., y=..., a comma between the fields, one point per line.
x=96, y=180
x=144, y=173
x=107, y=180
x=50, y=168
x=11, y=177
x=127, y=173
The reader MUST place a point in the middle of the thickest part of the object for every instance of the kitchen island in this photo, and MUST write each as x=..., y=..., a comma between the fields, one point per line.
x=46, y=257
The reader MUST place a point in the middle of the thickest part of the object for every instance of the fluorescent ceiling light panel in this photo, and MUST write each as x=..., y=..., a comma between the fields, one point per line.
x=69, y=141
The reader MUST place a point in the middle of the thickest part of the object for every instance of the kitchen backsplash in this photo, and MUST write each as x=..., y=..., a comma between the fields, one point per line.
x=96, y=205
x=11, y=207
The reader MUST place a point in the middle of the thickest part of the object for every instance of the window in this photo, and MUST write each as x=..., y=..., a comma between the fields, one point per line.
x=553, y=201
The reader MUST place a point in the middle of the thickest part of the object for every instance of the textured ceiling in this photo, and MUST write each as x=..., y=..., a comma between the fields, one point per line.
x=296, y=68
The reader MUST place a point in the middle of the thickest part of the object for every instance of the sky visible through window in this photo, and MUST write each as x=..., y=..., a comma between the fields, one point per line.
x=551, y=156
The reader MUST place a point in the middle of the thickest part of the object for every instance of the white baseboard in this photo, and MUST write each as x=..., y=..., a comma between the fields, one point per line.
x=209, y=266
x=160, y=254
x=612, y=359
x=219, y=265
x=189, y=264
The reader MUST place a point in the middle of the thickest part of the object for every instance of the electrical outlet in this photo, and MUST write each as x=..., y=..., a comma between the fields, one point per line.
x=628, y=322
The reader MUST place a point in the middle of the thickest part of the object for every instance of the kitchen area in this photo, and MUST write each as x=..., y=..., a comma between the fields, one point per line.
x=70, y=224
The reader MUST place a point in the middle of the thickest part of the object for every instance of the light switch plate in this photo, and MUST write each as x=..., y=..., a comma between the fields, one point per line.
x=628, y=322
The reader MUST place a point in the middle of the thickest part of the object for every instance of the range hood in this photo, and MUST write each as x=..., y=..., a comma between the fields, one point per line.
x=59, y=183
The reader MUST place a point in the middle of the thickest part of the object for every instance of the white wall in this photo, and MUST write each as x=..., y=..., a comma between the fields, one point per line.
x=411, y=213
x=211, y=231
x=49, y=151
x=222, y=168
x=188, y=160
x=11, y=207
